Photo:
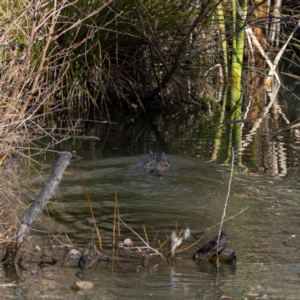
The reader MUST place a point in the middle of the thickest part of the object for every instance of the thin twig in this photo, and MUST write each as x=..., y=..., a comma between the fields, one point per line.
x=226, y=202
x=149, y=247
x=204, y=232
x=145, y=232
x=189, y=246
x=115, y=216
x=91, y=210
x=291, y=237
x=164, y=242
x=228, y=192
x=208, y=229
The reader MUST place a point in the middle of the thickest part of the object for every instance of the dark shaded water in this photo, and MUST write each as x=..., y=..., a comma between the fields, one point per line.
x=191, y=194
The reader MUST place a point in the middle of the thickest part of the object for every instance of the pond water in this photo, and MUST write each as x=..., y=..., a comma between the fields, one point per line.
x=192, y=194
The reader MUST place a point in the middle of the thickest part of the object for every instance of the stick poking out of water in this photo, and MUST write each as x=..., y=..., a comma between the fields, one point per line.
x=37, y=207
x=226, y=201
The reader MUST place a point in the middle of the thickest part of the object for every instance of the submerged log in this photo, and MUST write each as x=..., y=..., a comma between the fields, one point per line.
x=37, y=207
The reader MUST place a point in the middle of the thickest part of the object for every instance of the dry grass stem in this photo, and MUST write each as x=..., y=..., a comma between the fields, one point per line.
x=145, y=233
x=91, y=210
x=147, y=245
x=115, y=217
x=189, y=246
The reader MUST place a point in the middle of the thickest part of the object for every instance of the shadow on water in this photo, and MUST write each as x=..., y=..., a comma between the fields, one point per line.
x=191, y=194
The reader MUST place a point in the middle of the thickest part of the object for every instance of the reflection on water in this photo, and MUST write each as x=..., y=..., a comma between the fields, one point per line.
x=191, y=194
x=269, y=144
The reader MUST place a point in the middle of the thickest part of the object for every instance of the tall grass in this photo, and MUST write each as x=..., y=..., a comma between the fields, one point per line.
x=61, y=60
x=77, y=56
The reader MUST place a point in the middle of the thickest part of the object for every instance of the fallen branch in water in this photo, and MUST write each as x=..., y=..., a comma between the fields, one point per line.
x=37, y=207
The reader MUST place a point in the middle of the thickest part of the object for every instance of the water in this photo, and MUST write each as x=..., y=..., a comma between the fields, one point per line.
x=191, y=194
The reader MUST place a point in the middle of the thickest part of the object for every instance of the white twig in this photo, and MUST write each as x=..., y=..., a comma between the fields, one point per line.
x=231, y=217
x=227, y=197
x=228, y=192
x=141, y=238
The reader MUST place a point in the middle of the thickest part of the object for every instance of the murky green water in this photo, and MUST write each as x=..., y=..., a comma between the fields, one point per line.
x=191, y=194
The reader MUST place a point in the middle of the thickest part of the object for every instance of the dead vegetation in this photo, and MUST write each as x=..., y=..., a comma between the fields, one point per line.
x=57, y=64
